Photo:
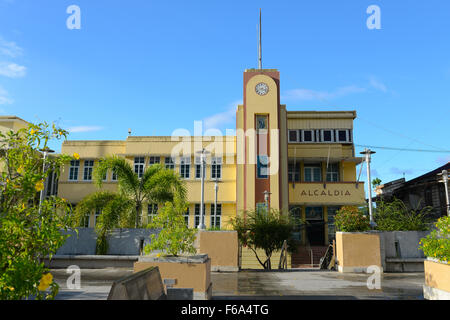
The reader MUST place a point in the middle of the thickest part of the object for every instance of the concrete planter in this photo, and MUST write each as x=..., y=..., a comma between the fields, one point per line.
x=357, y=251
x=437, y=280
x=400, y=251
x=182, y=272
x=222, y=247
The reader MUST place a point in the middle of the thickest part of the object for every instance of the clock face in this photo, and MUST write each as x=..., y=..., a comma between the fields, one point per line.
x=262, y=88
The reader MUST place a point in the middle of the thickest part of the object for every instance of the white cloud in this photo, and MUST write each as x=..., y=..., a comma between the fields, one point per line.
x=79, y=129
x=9, y=48
x=308, y=94
x=377, y=84
x=218, y=120
x=12, y=70
x=4, y=97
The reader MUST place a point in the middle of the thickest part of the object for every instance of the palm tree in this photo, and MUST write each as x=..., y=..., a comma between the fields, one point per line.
x=157, y=184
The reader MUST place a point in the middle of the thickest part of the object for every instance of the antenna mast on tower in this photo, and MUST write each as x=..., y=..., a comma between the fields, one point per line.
x=260, y=46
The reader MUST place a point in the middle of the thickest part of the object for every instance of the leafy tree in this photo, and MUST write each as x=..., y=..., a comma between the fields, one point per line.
x=29, y=231
x=376, y=182
x=266, y=230
x=116, y=212
x=174, y=237
x=157, y=184
x=396, y=216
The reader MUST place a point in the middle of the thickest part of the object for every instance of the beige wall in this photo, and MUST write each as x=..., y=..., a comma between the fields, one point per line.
x=221, y=247
x=187, y=275
x=249, y=261
x=437, y=275
x=358, y=250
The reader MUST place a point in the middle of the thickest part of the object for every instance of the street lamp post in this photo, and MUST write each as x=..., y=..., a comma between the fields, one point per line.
x=202, y=225
x=46, y=151
x=368, y=153
x=444, y=175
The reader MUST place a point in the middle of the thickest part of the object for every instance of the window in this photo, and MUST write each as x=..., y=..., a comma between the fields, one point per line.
x=152, y=211
x=294, y=172
x=314, y=213
x=342, y=136
x=263, y=167
x=154, y=160
x=333, y=172
x=216, y=168
x=296, y=215
x=293, y=136
x=261, y=122
x=185, y=167
x=327, y=135
x=73, y=171
x=139, y=163
x=197, y=214
x=215, y=216
x=261, y=207
x=98, y=212
x=198, y=168
x=88, y=166
x=113, y=176
x=313, y=173
x=331, y=226
x=85, y=221
x=186, y=217
x=308, y=135
x=169, y=163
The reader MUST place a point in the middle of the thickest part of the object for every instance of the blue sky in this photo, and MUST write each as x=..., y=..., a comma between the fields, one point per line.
x=155, y=66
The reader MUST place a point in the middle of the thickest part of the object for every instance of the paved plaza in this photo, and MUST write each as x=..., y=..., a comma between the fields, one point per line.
x=290, y=284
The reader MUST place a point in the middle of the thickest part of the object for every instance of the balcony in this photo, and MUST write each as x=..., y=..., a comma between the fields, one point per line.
x=329, y=193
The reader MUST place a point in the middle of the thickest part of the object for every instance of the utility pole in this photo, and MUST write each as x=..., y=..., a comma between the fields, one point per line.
x=46, y=151
x=444, y=175
x=202, y=225
x=368, y=153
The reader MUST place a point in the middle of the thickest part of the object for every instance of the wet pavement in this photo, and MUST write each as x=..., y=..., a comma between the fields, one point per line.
x=275, y=285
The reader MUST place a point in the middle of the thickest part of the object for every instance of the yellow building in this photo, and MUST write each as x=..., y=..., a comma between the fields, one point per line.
x=302, y=162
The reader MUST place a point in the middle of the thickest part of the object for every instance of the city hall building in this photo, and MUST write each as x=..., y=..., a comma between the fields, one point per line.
x=300, y=162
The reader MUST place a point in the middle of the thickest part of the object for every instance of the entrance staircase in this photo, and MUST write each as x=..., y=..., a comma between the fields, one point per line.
x=302, y=258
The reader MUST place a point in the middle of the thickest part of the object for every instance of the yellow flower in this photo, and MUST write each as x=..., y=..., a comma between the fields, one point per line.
x=39, y=186
x=76, y=156
x=20, y=170
x=45, y=282
x=32, y=131
x=158, y=255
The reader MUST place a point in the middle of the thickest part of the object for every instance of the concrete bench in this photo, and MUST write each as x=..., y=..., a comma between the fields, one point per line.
x=146, y=285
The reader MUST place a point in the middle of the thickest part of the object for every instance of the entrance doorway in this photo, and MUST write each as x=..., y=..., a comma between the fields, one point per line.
x=315, y=227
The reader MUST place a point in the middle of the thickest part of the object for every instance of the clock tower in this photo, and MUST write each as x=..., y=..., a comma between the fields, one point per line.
x=262, y=177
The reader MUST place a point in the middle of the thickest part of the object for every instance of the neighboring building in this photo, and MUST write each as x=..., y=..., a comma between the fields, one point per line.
x=418, y=193
x=304, y=160
x=13, y=123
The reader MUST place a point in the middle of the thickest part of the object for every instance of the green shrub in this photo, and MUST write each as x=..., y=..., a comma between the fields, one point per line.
x=351, y=219
x=437, y=244
x=174, y=237
x=395, y=216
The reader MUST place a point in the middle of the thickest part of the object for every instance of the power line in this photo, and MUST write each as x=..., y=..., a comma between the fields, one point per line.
x=402, y=149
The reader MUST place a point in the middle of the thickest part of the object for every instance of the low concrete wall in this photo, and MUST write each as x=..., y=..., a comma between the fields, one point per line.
x=249, y=261
x=91, y=261
x=120, y=242
x=400, y=251
x=356, y=251
x=437, y=280
x=222, y=247
x=186, y=272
